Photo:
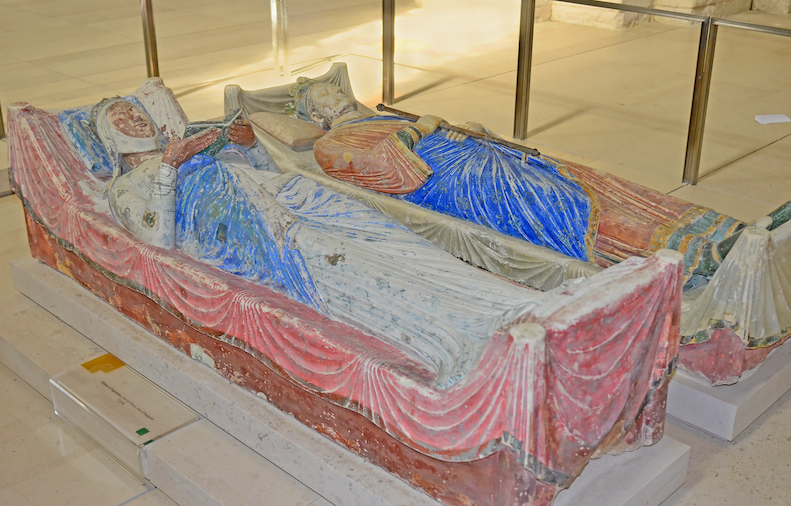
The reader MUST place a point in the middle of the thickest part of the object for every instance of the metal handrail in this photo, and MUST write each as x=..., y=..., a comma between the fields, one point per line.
x=732, y=23
x=703, y=71
x=700, y=95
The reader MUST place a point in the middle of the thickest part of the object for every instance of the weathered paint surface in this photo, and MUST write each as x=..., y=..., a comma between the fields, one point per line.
x=723, y=357
x=583, y=373
x=484, y=183
x=739, y=278
x=494, y=480
x=498, y=479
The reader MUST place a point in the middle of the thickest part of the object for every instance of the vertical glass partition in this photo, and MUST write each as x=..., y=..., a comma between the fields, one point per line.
x=617, y=100
x=752, y=77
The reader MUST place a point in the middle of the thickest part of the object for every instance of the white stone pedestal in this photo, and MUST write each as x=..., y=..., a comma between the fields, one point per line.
x=611, y=19
x=645, y=477
x=725, y=411
x=774, y=6
x=716, y=8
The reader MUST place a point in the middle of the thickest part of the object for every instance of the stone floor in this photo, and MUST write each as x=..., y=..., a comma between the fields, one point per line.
x=45, y=461
x=616, y=100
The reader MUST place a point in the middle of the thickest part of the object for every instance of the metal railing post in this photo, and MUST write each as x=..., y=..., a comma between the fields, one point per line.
x=700, y=99
x=524, y=66
x=279, y=16
x=388, y=51
x=149, y=38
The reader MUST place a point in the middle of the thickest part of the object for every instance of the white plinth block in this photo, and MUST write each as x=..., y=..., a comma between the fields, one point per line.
x=725, y=411
x=646, y=477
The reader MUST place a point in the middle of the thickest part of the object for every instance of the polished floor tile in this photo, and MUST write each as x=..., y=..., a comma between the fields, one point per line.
x=725, y=202
x=151, y=498
x=731, y=131
x=93, y=61
x=25, y=74
x=3, y=153
x=761, y=176
x=615, y=100
x=44, y=461
x=14, y=246
x=751, y=470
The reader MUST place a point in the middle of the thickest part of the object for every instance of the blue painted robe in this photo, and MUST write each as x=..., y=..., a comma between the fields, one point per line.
x=345, y=260
x=492, y=185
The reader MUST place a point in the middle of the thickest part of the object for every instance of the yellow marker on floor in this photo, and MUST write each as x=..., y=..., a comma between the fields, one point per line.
x=105, y=363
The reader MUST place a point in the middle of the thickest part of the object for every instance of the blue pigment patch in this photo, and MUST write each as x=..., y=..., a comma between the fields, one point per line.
x=217, y=222
x=488, y=184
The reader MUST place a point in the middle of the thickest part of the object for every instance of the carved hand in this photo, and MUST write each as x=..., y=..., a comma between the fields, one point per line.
x=181, y=150
x=471, y=126
x=242, y=133
x=430, y=122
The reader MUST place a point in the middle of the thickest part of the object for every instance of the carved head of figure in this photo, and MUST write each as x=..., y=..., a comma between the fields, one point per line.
x=128, y=119
x=124, y=129
x=321, y=103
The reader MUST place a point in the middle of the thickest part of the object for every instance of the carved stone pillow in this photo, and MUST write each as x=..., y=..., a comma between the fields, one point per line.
x=294, y=133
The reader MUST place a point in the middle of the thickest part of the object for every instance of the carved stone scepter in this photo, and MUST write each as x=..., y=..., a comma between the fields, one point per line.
x=447, y=126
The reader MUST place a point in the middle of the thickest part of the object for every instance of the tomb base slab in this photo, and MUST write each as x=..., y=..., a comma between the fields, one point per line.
x=643, y=477
x=726, y=411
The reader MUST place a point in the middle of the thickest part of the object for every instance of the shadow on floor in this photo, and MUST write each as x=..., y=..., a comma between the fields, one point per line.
x=5, y=185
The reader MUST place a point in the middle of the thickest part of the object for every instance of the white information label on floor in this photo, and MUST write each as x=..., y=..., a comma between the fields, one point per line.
x=117, y=408
x=133, y=405
x=766, y=119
